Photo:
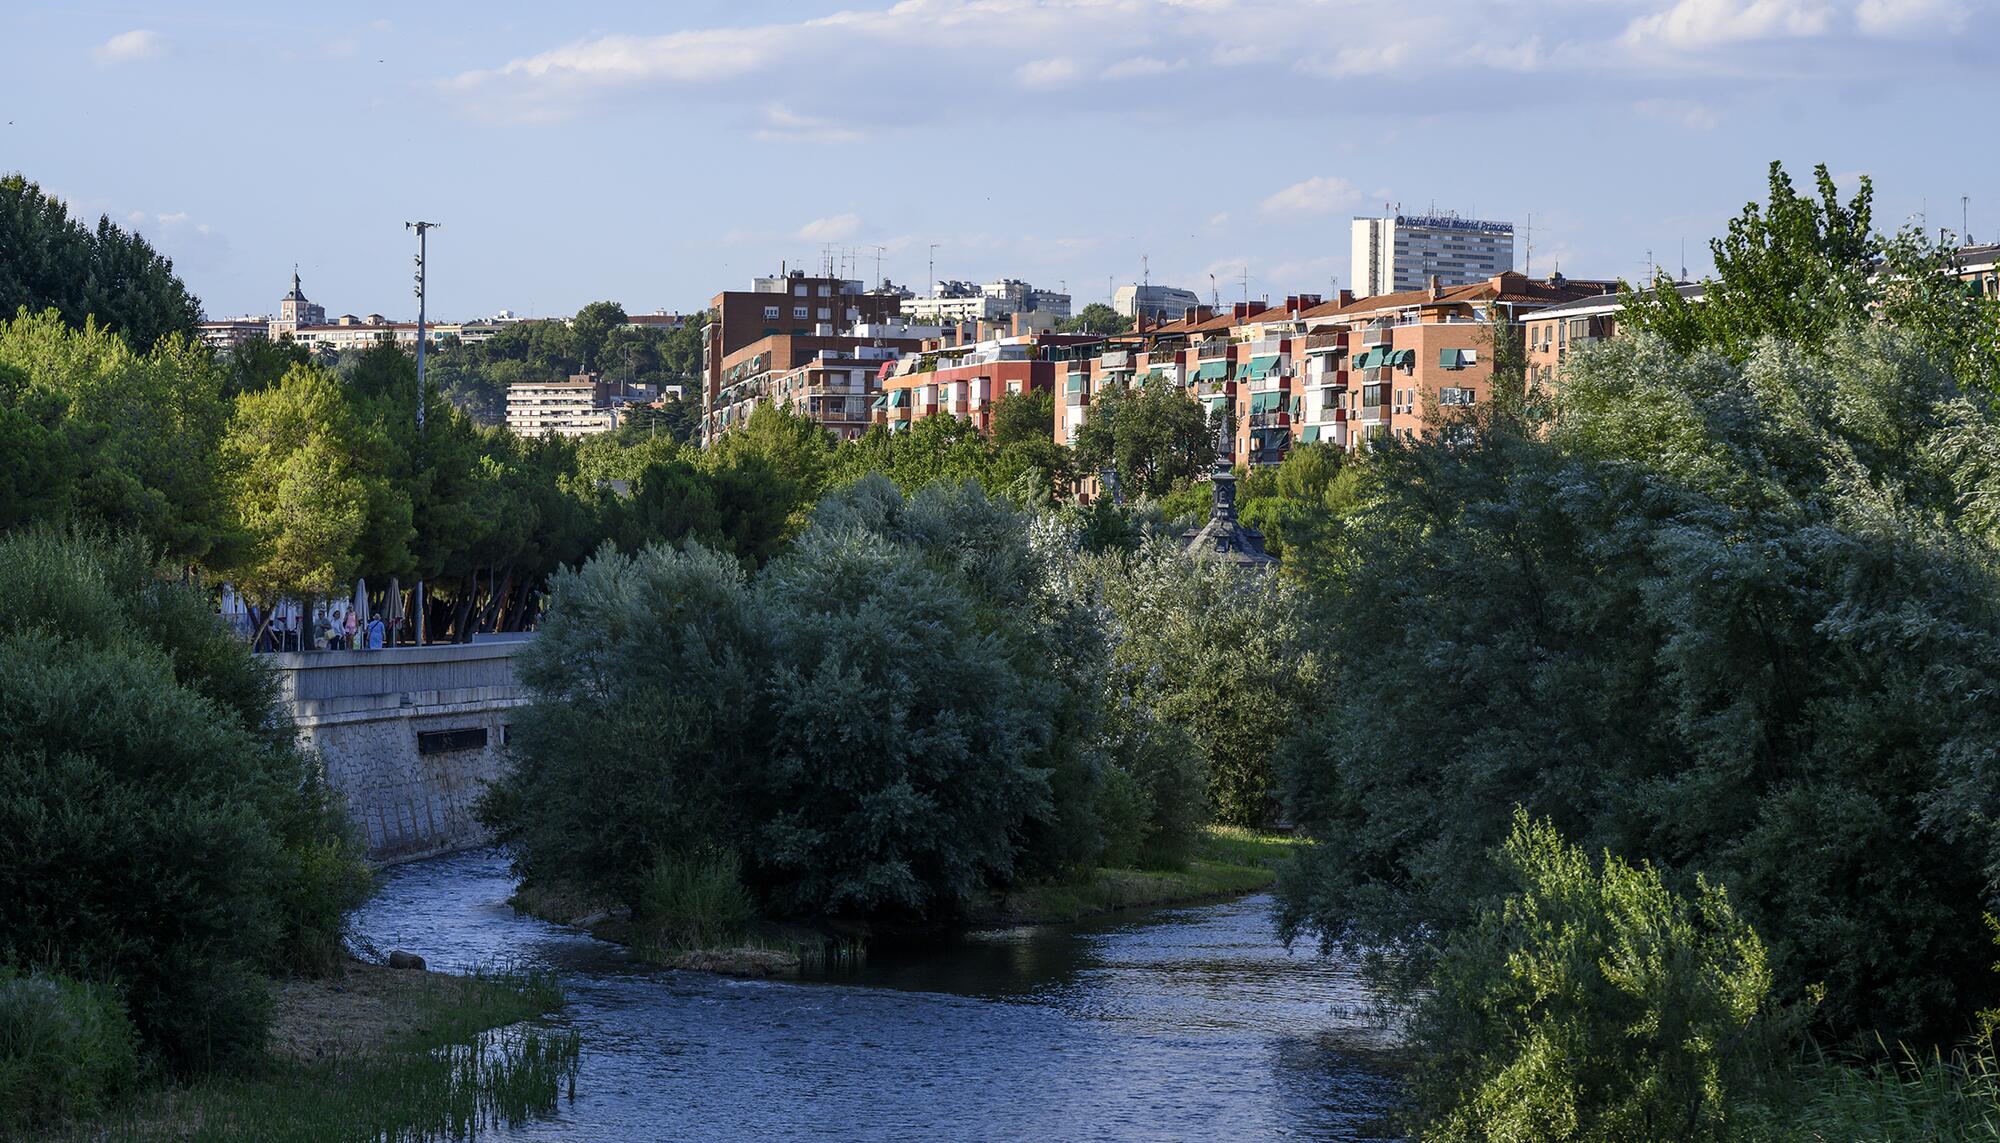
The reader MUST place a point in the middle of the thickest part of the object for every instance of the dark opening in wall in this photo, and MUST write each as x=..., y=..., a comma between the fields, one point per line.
x=440, y=741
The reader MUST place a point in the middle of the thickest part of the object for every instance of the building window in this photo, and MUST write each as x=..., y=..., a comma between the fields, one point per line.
x=826, y=291
x=444, y=741
x=799, y=291
x=800, y=311
x=770, y=313
x=825, y=314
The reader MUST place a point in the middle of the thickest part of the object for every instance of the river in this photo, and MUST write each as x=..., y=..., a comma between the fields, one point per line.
x=1188, y=1023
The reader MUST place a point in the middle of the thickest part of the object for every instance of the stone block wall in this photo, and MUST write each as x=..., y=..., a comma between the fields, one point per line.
x=409, y=735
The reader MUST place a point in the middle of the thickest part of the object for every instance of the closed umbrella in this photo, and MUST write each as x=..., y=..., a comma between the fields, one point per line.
x=361, y=603
x=392, y=607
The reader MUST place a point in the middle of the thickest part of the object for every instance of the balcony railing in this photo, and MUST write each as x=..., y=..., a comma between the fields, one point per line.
x=1212, y=349
x=1270, y=420
x=1315, y=342
x=1378, y=335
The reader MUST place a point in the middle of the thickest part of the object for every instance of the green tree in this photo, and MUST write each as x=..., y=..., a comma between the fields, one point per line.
x=144, y=431
x=1728, y=619
x=1221, y=656
x=159, y=826
x=309, y=487
x=645, y=677
x=1796, y=268
x=49, y=261
x=1096, y=318
x=1155, y=435
x=592, y=326
x=1592, y=1003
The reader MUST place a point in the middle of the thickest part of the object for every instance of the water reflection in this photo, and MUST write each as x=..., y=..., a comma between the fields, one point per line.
x=1184, y=1024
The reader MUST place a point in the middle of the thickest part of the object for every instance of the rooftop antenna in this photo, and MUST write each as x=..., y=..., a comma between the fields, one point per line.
x=1530, y=267
x=1246, y=281
x=1214, y=295
x=1146, y=271
x=878, y=262
x=933, y=285
x=1965, y=219
x=1684, y=259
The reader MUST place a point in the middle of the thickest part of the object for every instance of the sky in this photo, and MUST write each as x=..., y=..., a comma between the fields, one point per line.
x=657, y=153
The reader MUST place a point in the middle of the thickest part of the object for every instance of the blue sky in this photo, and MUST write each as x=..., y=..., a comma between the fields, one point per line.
x=657, y=153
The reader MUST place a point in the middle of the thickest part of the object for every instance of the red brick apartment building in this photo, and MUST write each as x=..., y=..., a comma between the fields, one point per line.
x=1552, y=332
x=967, y=380
x=832, y=378
x=1418, y=356
x=790, y=303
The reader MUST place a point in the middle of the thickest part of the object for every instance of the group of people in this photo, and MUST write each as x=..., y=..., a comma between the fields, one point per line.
x=335, y=629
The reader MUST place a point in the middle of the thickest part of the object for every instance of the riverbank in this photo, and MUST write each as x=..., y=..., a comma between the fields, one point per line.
x=375, y=1052
x=1233, y=862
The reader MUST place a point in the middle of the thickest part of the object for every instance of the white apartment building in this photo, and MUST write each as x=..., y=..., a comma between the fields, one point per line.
x=1403, y=252
x=1154, y=303
x=958, y=303
x=573, y=408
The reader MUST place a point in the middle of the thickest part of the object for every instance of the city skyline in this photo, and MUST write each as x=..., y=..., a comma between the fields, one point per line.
x=610, y=151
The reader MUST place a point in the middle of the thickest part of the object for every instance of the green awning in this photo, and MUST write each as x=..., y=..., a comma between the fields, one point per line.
x=898, y=397
x=1403, y=357
x=1076, y=382
x=1211, y=371
x=1152, y=375
x=1310, y=435
x=1216, y=402
x=1297, y=404
x=881, y=402
x=1267, y=402
x=1448, y=358
x=1257, y=367
x=1369, y=360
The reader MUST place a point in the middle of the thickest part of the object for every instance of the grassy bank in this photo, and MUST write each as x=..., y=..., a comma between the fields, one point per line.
x=376, y=1053
x=1233, y=861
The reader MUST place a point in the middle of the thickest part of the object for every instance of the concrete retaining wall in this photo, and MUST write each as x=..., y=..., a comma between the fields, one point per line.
x=367, y=712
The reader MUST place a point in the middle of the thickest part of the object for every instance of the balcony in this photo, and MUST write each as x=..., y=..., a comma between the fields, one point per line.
x=1209, y=350
x=1376, y=335
x=1117, y=359
x=1279, y=420
x=1322, y=342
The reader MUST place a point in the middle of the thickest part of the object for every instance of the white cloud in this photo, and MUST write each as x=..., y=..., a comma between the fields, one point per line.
x=129, y=47
x=1689, y=113
x=1320, y=194
x=833, y=229
x=1361, y=59
x=1909, y=17
x=1701, y=23
x=783, y=125
x=1053, y=72
x=1139, y=66
x=1218, y=218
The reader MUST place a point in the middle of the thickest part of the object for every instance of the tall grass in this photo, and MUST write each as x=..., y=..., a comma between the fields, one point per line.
x=66, y=1048
x=693, y=901
x=468, y=1063
x=1940, y=1098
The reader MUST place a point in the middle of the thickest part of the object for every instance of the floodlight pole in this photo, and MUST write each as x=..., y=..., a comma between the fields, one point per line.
x=420, y=228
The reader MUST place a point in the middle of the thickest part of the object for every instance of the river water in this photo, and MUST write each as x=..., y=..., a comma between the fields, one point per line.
x=1189, y=1023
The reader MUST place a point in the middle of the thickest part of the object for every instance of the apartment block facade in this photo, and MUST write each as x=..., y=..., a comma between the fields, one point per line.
x=832, y=378
x=577, y=407
x=1401, y=252
x=791, y=304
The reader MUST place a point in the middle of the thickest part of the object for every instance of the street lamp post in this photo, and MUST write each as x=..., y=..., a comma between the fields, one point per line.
x=421, y=228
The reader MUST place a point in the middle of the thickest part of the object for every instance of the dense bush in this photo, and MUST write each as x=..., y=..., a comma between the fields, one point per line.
x=906, y=708
x=1727, y=619
x=66, y=1048
x=1593, y=1004
x=1226, y=659
x=158, y=827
